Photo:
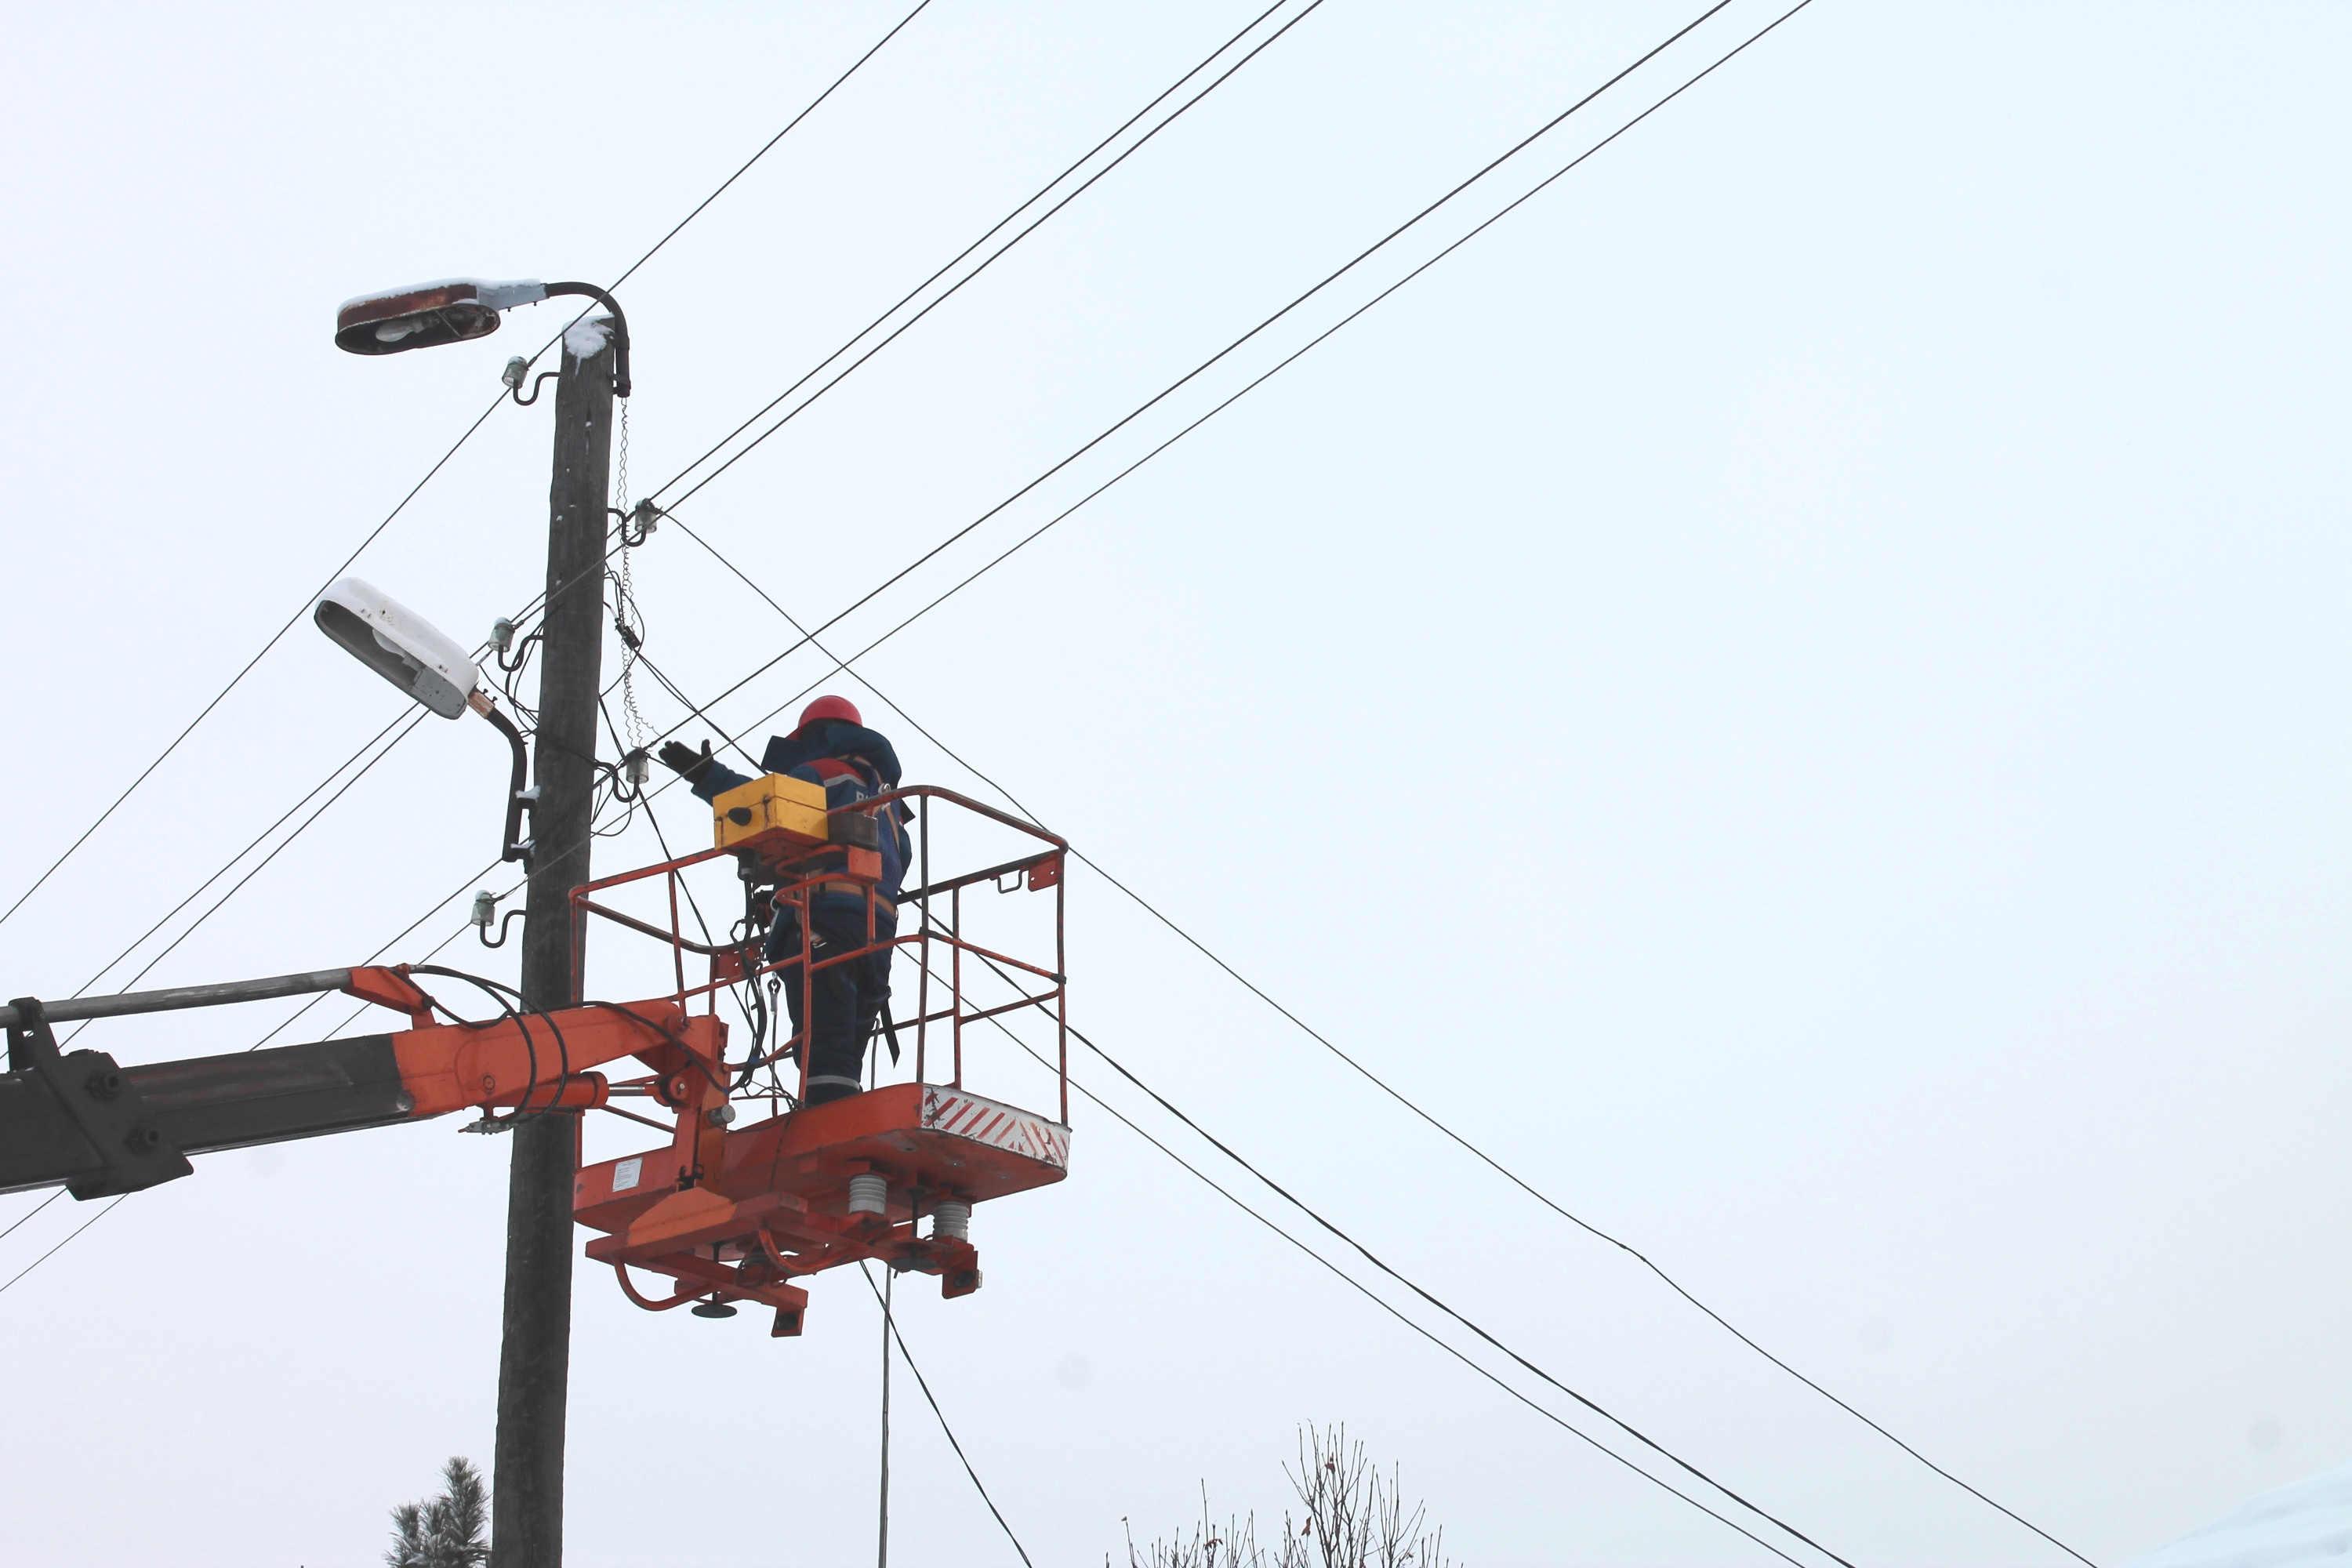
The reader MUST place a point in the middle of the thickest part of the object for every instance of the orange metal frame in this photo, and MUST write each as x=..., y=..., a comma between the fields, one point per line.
x=736, y=1215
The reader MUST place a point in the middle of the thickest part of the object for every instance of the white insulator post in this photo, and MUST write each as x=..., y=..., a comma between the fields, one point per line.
x=869, y=1193
x=950, y=1221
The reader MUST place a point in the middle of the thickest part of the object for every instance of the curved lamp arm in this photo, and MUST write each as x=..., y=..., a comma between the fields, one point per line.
x=620, y=330
x=513, y=846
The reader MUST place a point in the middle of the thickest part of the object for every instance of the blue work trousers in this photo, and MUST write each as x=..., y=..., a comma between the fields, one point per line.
x=848, y=997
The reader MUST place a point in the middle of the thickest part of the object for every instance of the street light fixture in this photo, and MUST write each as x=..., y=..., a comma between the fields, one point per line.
x=455, y=310
x=426, y=665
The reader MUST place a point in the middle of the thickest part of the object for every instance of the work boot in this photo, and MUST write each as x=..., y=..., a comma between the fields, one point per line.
x=824, y=1089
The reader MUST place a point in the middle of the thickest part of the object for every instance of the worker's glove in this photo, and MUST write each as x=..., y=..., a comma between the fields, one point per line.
x=685, y=761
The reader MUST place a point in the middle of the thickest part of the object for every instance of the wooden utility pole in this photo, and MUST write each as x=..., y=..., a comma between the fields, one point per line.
x=535, y=1354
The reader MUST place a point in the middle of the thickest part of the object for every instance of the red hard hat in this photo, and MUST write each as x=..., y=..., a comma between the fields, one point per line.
x=825, y=708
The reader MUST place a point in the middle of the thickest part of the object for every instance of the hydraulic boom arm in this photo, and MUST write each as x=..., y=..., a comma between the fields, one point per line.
x=79, y=1119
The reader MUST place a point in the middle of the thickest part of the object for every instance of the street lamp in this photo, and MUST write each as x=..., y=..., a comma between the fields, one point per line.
x=455, y=310
x=426, y=665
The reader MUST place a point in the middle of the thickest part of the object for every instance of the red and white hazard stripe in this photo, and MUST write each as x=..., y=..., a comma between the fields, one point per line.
x=997, y=1125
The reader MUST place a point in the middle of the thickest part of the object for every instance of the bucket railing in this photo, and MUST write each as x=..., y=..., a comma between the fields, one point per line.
x=940, y=943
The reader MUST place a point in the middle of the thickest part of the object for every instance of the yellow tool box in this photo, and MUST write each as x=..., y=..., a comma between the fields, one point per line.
x=775, y=815
x=780, y=823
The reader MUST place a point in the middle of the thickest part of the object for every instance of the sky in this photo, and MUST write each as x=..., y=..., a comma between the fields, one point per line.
x=1790, y=690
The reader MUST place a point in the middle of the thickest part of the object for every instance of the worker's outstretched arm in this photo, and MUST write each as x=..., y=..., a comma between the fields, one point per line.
x=704, y=773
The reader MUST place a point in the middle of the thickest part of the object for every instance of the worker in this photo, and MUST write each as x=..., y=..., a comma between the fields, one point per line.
x=832, y=747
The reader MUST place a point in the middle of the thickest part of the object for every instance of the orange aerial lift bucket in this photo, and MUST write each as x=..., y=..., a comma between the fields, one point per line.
x=736, y=1214
x=724, y=1213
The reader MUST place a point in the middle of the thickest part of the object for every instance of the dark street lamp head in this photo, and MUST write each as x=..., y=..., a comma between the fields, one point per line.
x=426, y=315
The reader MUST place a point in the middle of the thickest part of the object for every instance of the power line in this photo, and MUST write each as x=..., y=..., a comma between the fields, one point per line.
x=275, y=637
x=230, y=863
x=425, y=957
x=994, y=257
x=1168, y=391
x=410, y=720
x=31, y=1212
x=1375, y=1297
x=1516, y=1180
x=255, y=1047
x=762, y=153
x=1369, y=1257
x=1420, y=1328
x=1481, y=1155
x=657, y=673
x=480, y=420
x=1287, y=1196
x=1408, y=1103
x=70, y=1235
x=891, y=1322
x=261, y=865
x=882, y=1534
x=1293, y=304
x=289, y=1020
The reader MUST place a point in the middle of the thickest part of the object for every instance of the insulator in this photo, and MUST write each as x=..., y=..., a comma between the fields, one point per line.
x=869, y=1193
x=516, y=368
x=950, y=1221
x=636, y=767
x=486, y=908
x=502, y=634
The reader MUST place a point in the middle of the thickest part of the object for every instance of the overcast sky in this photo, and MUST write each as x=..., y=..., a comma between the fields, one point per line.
x=1792, y=690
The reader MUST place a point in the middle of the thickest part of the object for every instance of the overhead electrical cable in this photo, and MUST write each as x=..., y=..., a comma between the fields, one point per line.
x=1009, y=218
x=1369, y=1257
x=809, y=635
x=320, y=996
x=29, y=1213
x=765, y=148
x=845, y=665
x=891, y=1322
x=413, y=721
x=255, y=1047
x=1376, y=1262
x=407, y=723
x=232, y=861
x=1479, y=1153
x=425, y=957
x=480, y=420
x=53, y=1251
x=1000, y=223
x=1181, y=382
x=234, y=681
x=1422, y=1329
x=1289, y=1197
x=993, y=257
x=1518, y=1181
x=1377, y=1299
